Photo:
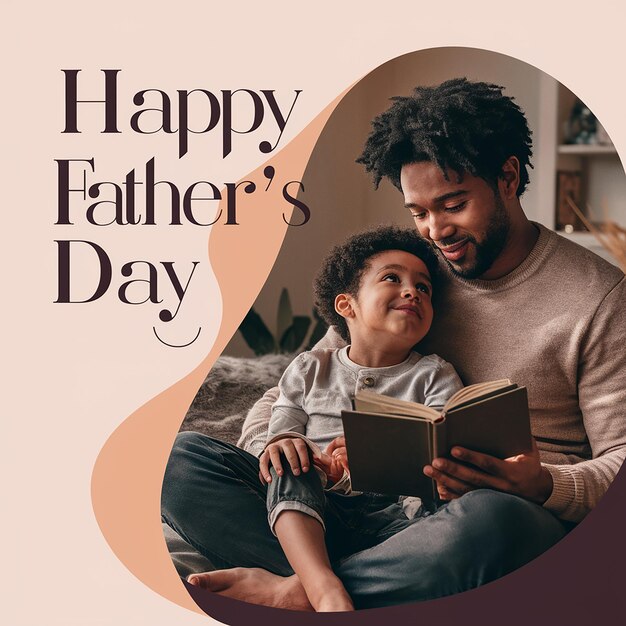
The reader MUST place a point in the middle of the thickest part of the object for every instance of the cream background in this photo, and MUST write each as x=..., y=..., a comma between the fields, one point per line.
x=74, y=373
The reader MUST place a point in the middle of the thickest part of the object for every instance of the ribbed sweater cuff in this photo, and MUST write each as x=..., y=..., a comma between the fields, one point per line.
x=253, y=441
x=566, y=500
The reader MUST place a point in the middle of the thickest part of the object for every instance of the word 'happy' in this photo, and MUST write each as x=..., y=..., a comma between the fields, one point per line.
x=218, y=110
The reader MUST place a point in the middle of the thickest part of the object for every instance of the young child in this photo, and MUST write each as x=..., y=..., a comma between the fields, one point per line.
x=376, y=290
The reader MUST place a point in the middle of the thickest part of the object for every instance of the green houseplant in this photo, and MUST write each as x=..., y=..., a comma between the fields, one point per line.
x=291, y=330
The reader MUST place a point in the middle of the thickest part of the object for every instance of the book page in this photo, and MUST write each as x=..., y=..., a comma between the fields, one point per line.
x=370, y=402
x=475, y=391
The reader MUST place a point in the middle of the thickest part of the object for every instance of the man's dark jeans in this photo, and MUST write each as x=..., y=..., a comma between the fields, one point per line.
x=213, y=498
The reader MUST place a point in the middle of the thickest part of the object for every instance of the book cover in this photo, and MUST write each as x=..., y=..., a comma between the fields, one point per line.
x=388, y=449
x=113, y=314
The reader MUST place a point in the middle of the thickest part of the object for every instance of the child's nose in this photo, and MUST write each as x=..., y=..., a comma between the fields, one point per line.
x=410, y=292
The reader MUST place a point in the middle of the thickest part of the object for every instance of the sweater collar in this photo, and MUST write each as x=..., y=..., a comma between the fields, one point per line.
x=390, y=370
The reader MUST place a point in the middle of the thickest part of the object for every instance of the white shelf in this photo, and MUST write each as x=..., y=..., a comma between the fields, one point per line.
x=582, y=237
x=586, y=149
x=604, y=184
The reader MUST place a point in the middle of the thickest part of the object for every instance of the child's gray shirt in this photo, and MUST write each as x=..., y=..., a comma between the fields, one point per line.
x=318, y=385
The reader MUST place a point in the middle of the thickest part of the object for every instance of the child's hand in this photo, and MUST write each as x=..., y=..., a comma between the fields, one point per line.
x=293, y=449
x=338, y=459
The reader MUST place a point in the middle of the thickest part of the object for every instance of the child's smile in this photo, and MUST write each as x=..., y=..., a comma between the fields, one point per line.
x=410, y=309
x=392, y=309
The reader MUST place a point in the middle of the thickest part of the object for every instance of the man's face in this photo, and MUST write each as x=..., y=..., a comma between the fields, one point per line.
x=466, y=220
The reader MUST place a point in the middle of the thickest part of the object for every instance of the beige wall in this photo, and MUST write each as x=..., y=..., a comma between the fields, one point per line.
x=340, y=194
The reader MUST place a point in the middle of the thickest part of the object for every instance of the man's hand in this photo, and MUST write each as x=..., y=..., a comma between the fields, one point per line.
x=521, y=475
x=295, y=451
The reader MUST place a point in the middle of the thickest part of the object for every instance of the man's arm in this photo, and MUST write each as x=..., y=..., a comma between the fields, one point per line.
x=602, y=401
x=568, y=491
x=255, y=426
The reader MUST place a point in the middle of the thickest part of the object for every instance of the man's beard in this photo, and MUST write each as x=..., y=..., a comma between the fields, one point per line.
x=488, y=250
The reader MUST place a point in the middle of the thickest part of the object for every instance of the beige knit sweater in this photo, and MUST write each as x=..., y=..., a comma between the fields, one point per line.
x=556, y=324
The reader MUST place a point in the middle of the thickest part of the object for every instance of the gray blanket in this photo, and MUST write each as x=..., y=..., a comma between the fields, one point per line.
x=231, y=388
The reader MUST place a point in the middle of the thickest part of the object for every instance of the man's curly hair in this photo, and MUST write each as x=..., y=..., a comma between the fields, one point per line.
x=459, y=125
x=343, y=268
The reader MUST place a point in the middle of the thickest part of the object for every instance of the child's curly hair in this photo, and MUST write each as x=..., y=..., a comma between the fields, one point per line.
x=342, y=269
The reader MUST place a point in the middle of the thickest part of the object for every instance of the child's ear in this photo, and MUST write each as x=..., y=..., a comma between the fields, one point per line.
x=343, y=305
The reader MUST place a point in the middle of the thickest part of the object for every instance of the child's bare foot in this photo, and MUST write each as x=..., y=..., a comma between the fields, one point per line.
x=335, y=601
x=256, y=586
x=329, y=594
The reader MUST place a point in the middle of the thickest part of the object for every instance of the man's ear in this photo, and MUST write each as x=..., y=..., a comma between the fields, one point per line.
x=508, y=181
x=343, y=305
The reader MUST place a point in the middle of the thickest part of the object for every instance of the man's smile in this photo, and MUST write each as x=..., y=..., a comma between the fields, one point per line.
x=456, y=250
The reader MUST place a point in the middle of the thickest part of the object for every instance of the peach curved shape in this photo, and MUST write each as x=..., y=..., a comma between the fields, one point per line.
x=128, y=473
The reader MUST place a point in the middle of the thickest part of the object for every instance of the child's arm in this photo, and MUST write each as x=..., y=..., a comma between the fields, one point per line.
x=254, y=430
x=288, y=414
x=288, y=423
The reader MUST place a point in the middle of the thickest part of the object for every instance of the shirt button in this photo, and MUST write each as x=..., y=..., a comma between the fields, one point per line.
x=369, y=381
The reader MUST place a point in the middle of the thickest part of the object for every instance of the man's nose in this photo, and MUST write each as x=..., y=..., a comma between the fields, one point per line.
x=439, y=227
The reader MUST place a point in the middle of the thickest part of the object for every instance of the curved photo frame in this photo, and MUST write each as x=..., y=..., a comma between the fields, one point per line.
x=126, y=489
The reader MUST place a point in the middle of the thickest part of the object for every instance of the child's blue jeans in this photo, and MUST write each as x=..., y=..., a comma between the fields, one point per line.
x=352, y=523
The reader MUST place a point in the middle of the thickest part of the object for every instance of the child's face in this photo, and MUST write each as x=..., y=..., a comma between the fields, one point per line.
x=393, y=305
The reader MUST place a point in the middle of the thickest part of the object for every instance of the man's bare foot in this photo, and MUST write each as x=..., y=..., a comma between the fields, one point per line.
x=255, y=585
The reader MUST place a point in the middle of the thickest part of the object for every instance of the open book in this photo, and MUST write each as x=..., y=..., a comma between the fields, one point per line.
x=390, y=441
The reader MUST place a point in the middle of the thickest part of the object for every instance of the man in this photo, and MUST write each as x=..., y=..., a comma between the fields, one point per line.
x=519, y=302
